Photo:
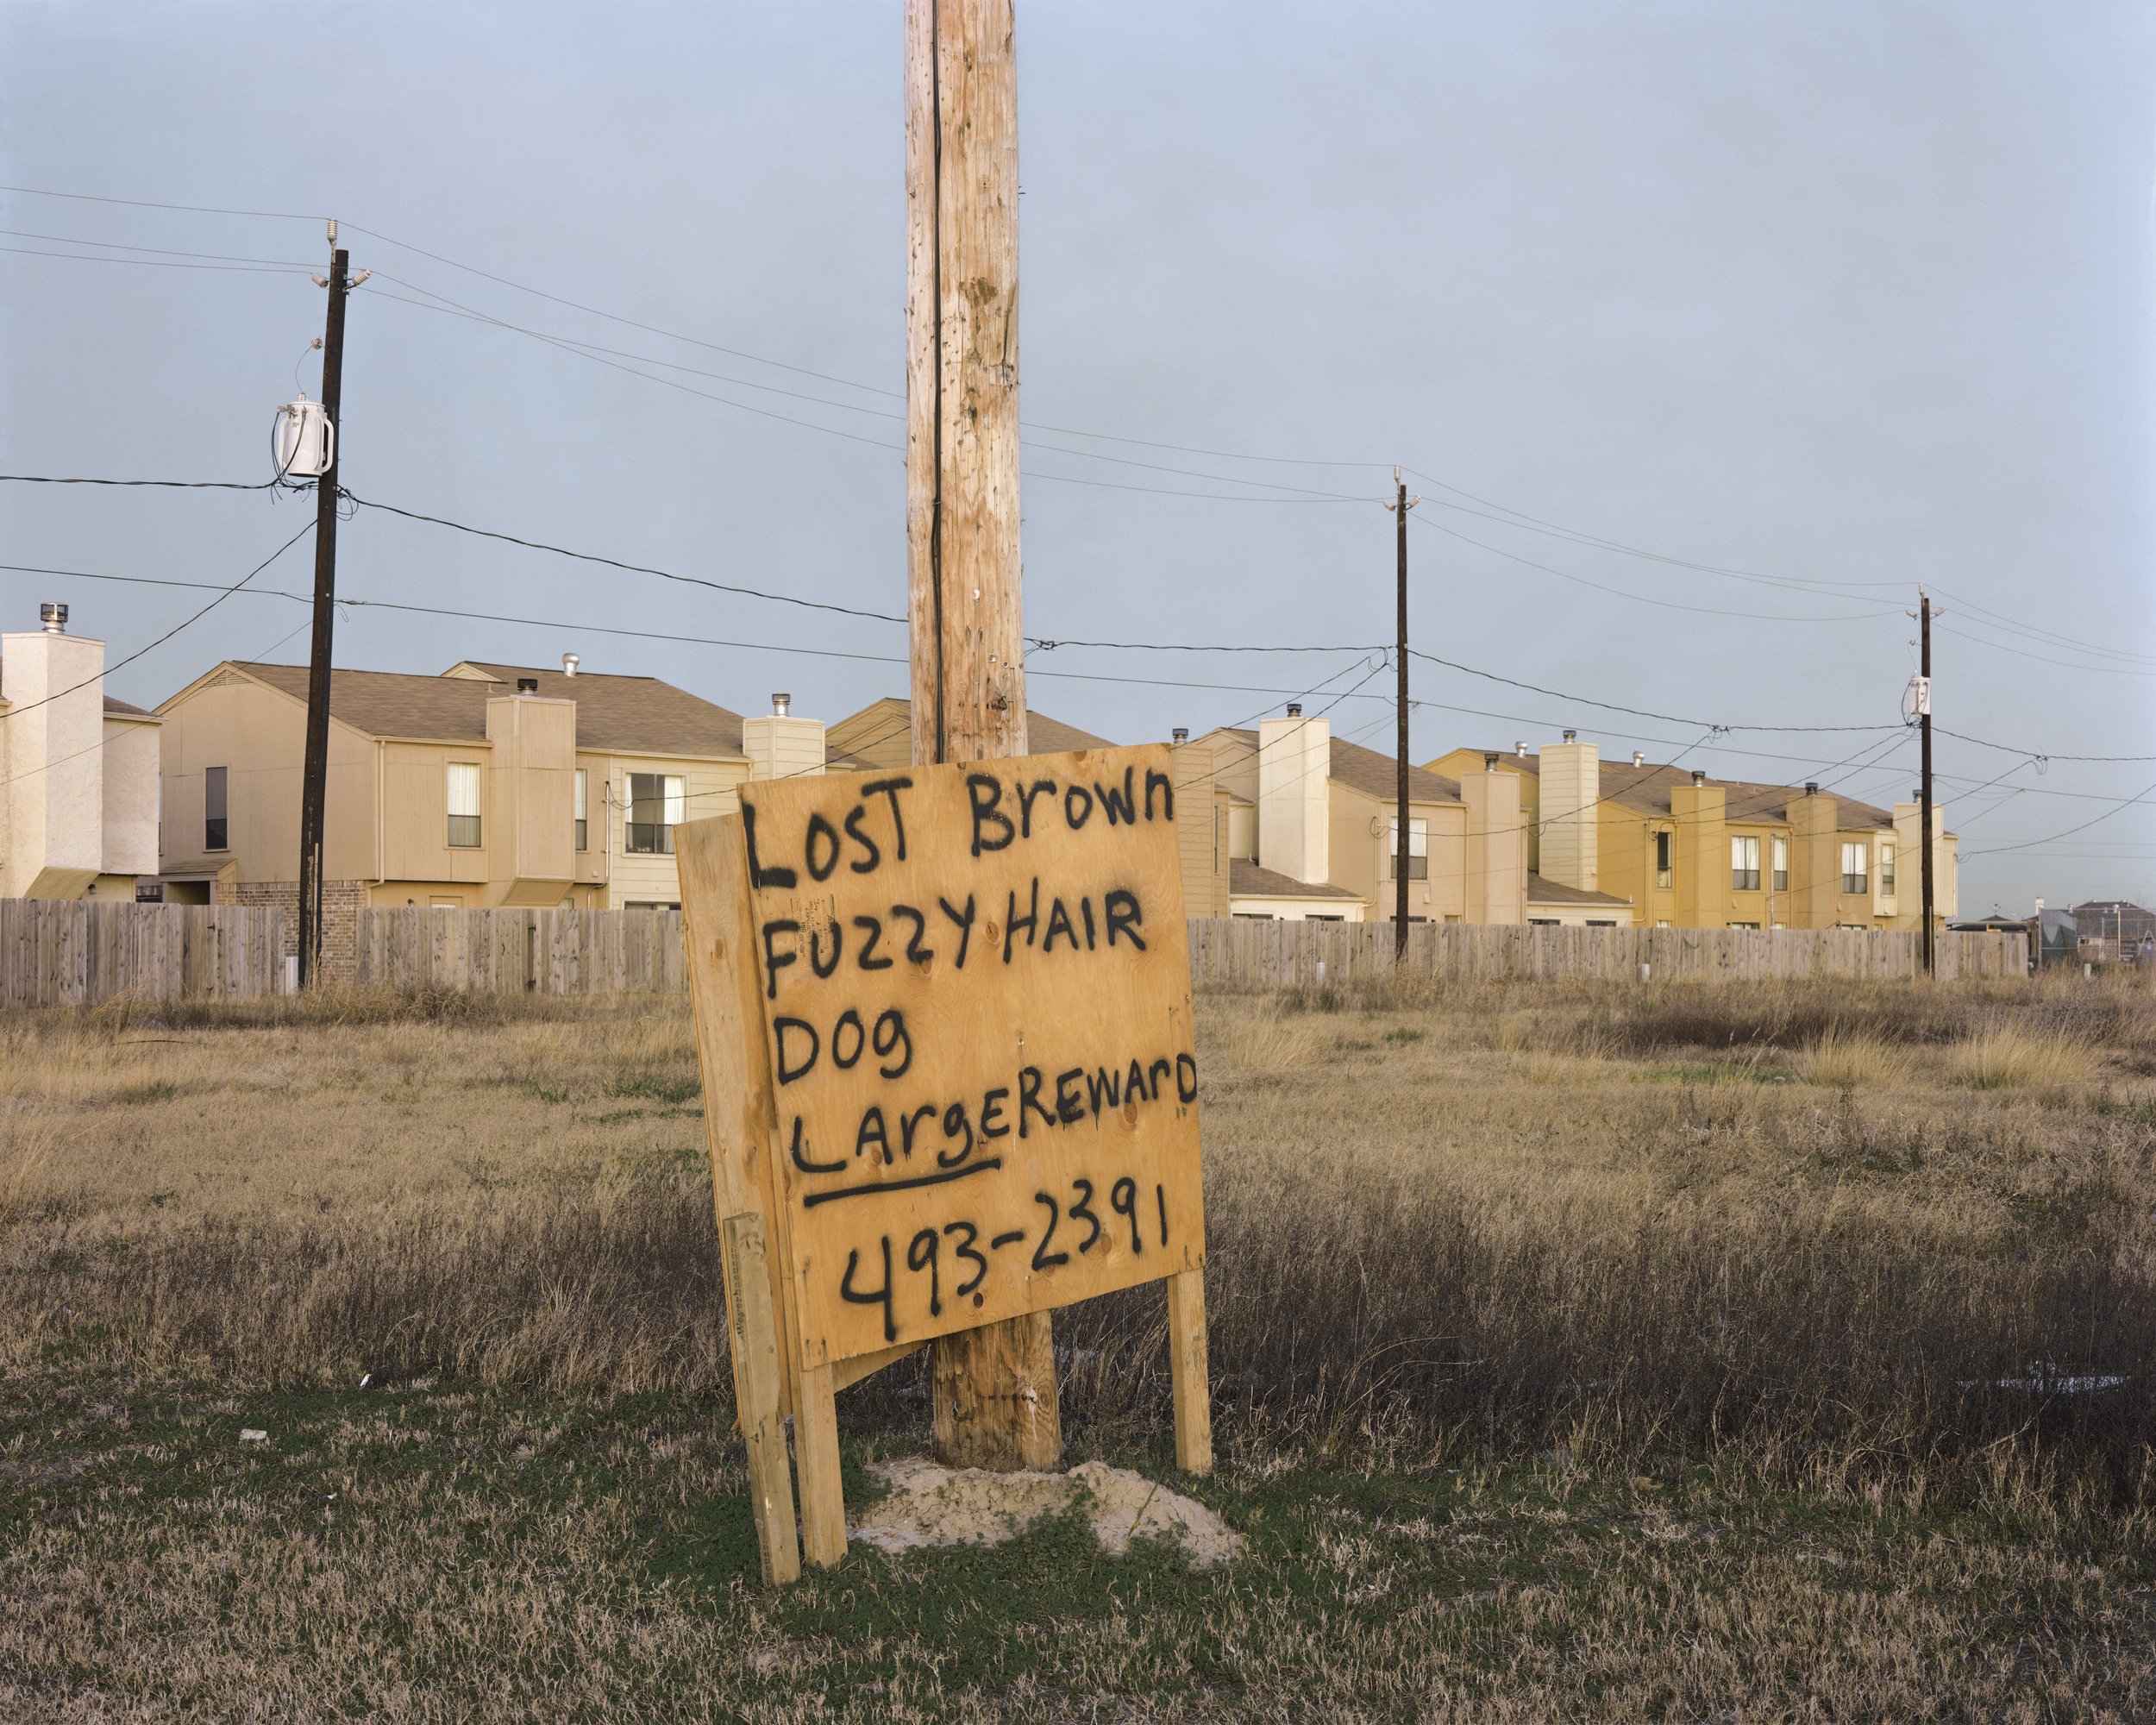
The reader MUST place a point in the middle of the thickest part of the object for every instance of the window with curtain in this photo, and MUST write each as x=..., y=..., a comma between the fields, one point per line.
x=583, y=809
x=658, y=802
x=1743, y=863
x=1781, y=865
x=464, y=805
x=1418, y=850
x=1886, y=870
x=1856, y=866
x=1665, y=858
x=215, y=832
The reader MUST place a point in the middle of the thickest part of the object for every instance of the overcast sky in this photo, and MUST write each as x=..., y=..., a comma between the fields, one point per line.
x=1842, y=296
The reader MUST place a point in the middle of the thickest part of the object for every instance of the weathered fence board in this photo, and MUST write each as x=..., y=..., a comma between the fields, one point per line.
x=521, y=951
x=79, y=953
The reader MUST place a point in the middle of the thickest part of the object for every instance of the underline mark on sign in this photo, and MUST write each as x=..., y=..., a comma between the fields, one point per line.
x=812, y=1199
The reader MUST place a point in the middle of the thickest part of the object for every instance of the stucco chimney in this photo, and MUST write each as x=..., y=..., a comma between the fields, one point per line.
x=1295, y=795
x=1572, y=786
x=52, y=765
x=780, y=745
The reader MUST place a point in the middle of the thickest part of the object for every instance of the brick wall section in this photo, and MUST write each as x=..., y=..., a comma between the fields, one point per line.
x=340, y=904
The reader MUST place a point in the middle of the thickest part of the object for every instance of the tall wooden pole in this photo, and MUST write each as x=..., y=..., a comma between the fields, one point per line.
x=1400, y=657
x=995, y=1405
x=314, y=765
x=1924, y=789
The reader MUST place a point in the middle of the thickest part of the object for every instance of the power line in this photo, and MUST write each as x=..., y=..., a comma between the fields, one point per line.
x=1636, y=713
x=2139, y=796
x=156, y=263
x=161, y=484
x=159, y=251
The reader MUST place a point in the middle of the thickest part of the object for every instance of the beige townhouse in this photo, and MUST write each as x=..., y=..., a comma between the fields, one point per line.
x=1310, y=827
x=490, y=784
x=79, y=771
x=1693, y=851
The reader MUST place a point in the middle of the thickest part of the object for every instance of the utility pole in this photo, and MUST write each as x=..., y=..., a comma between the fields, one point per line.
x=1924, y=790
x=314, y=773
x=1400, y=506
x=994, y=1386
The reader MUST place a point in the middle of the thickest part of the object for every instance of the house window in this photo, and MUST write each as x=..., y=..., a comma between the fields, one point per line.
x=583, y=809
x=1665, y=858
x=1781, y=865
x=1418, y=850
x=658, y=802
x=1744, y=924
x=464, y=805
x=1886, y=871
x=1856, y=866
x=1542, y=922
x=1743, y=863
x=215, y=831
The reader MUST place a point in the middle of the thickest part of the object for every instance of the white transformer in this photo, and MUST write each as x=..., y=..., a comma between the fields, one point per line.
x=303, y=440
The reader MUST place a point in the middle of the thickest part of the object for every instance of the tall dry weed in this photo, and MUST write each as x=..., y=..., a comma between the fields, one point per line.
x=2004, y=1057
x=1843, y=1059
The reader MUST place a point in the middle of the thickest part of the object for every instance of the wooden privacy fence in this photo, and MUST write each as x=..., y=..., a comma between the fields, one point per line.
x=598, y=952
x=1250, y=953
x=520, y=951
x=78, y=953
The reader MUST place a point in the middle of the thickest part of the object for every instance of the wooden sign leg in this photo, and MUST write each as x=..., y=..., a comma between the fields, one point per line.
x=1187, y=1371
x=816, y=1450
x=756, y=1348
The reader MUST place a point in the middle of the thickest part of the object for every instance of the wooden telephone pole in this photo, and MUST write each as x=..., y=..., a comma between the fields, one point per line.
x=1924, y=790
x=1400, y=506
x=995, y=1405
x=315, y=770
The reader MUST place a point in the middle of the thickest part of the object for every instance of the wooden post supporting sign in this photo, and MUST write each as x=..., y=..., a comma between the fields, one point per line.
x=993, y=1386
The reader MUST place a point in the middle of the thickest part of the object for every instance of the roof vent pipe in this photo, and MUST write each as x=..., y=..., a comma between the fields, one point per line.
x=1490, y=761
x=1698, y=776
x=569, y=662
x=1182, y=733
x=1638, y=758
x=1571, y=736
x=53, y=617
x=526, y=686
x=1811, y=787
x=1294, y=709
x=1520, y=750
x=781, y=702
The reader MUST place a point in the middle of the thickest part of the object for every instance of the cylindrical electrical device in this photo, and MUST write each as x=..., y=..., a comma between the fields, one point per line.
x=303, y=440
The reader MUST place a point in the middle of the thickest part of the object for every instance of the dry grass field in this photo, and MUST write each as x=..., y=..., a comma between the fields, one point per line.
x=1682, y=1352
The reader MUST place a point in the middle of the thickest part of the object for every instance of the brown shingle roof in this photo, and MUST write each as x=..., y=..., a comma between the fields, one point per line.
x=1542, y=892
x=881, y=735
x=1247, y=880
x=634, y=715
x=1647, y=788
x=113, y=703
x=631, y=715
x=1375, y=775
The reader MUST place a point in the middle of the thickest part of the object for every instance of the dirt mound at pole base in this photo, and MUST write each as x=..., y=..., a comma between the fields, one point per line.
x=931, y=1505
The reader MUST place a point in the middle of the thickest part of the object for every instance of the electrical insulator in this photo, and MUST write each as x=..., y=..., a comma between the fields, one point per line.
x=303, y=440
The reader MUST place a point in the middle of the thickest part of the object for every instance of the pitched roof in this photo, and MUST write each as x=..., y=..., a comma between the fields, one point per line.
x=1647, y=788
x=881, y=735
x=1543, y=892
x=630, y=714
x=1246, y=880
x=1375, y=775
x=127, y=709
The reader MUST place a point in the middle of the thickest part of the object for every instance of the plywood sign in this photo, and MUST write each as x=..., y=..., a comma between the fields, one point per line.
x=973, y=983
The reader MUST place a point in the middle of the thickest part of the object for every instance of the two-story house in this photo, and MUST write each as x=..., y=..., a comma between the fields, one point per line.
x=488, y=785
x=1695, y=852
x=1312, y=830
x=79, y=771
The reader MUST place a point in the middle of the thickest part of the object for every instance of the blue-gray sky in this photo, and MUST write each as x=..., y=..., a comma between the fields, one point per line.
x=1823, y=290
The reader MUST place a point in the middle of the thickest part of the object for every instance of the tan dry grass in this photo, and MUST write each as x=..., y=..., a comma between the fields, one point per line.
x=1571, y=1215
x=1844, y=1059
x=2005, y=1057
